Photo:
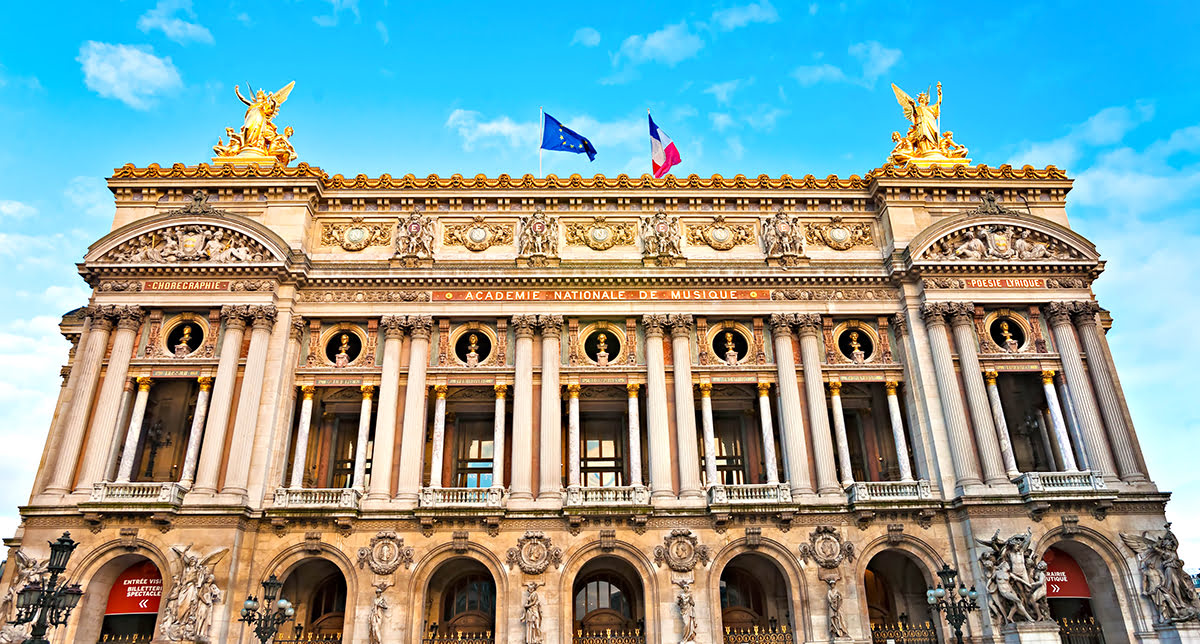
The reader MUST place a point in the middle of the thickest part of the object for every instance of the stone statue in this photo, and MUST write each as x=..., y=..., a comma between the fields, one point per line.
x=973, y=247
x=856, y=353
x=538, y=236
x=783, y=238
x=1010, y=344
x=29, y=570
x=472, y=350
x=922, y=143
x=415, y=237
x=258, y=136
x=1029, y=250
x=661, y=241
x=379, y=608
x=687, y=611
x=342, y=358
x=185, y=343
x=1164, y=582
x=190, y=604
x=837, y=625
x=731, y=354
x=532, y=613
x=602, y=349
x=1015, y=584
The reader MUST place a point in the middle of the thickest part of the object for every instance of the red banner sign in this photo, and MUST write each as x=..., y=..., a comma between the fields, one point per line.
x=136, y=591
x=1064, y=577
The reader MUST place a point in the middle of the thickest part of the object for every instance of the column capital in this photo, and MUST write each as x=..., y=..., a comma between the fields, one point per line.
x=680, y=323
x=235, y=316
x=934, y=313
x=632, y=389
x=420, y=326
x=308, y=391
x=808, y=324
x=989, y=376
x=961, y=313
x=782, y=323
x=891, y=386
x=263, y=316
x=206, y=382
x=144, y=383
x=393, y=326
x=764, y=388
x=127, y=317
x=130, y=385
x=551, y=325
x=523, y=325
x=654, y=323
x=705, y=389
x=101, y=321
x=572, y=390
x=1059, y=313
x=899, y=322
x=835, y=388
x=368, y=391
x=440, y=391
x=1048, y=377
x=501, y=390
x=1084, y=313
x=299, y=326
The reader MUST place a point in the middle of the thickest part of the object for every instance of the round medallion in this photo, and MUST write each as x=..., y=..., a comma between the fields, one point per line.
x=477, y=235
x=539, y=227
x=414, y=228
x=600, y=234
x=839, y=235
x=662, y=226
x=784, y=227
x=721, y=234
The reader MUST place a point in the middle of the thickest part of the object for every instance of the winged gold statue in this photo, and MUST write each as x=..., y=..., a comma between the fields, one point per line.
x=924, y=145
x=258, y=141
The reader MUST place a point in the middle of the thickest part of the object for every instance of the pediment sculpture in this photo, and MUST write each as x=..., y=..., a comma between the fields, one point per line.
x=202, y=243
x=999, y=242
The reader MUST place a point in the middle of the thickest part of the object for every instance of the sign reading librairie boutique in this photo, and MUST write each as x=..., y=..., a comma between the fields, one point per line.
x=599, y=295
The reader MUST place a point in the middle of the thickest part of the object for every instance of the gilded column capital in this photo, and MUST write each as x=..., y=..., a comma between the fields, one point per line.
x=308, y=391
x=899, y=322
x=961, y=313
x=1048, y=377
x=420, y=326
x=299, y=325
x=934, y=313
x=501, y=390
x=631, y=388
x=440, y=391
x=572, y=390
x=368, y=391
x=705, y=389
x=128, y=317
x=891, y=386
x=206, y=383
x=393, y=326
x=782, y=323
x=989, y=376
x=808, y=324
x=144, y=383
x=1084, y=313
x=681, y=324
x=764, y=389
x=1058, y=313
x=654, y=323
x=262, y=316
x=835, y=388
x=523, y=325
x=550, y=324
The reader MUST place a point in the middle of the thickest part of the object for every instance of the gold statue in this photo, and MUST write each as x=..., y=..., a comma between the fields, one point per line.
x=602, y=349
x=1010, y=343
x=472, y=350
x=185, y=342
x=258, y=141
x=342, y=358
x=924, y=145
x=856, y=352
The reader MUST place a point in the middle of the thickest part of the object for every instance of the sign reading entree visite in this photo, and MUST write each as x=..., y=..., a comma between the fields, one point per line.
x=599, y=295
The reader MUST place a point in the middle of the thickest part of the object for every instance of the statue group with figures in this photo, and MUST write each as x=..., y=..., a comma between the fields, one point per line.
x=924, y=143
x=258, y=140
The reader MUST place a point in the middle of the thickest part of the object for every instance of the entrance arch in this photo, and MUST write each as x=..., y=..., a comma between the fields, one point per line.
x=1113, y=619
x=318, y=589
x=460, y=602
x=607, y=595
x=110, y=606
x=754, y=594
x=894, y=585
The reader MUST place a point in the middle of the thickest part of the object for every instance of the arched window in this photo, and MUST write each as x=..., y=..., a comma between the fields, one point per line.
x=328, y=607
x=602, y=590
x=473, y=593
x=741, y=590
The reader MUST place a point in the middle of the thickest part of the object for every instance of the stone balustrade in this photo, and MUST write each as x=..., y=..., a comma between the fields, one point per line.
x=888, y=491
x=138, y=492
x=462, y=497
x=329, y=498
x=629, y=495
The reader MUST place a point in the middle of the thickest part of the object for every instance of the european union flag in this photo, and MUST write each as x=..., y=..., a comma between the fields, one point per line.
x=556, y=136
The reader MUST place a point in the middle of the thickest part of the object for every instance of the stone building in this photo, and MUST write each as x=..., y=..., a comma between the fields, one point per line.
x=569, y=410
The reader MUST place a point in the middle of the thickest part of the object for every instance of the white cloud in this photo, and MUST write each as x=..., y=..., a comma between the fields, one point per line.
x=91, y=195
x=874, y=59
x=163, y=17
x=244, y=18
x=131, y=74
x=506, y=134
x=734, y=148
x=737, y=17
x=473, y=129
x=808, y=75
x=336, y=8
x=723, y=92
x=721, y=121
x=669, y=45
x=812, y=9
x=10, y=209
x=383, y=31
x=586, y=36
x=1106, y=127
x=765, y=117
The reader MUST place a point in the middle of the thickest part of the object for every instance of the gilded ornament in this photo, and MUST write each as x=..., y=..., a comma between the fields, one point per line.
x=720, y=235
x=258, y=142
x=599, y=234
x=479, y=235
x=356, y=235
x=838, y=235
x=923, y=145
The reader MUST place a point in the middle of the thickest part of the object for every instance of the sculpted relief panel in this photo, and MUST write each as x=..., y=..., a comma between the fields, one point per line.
x=189, y=243
x=995, y=242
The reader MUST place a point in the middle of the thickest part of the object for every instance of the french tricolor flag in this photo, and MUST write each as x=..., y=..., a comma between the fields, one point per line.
x=663, y=154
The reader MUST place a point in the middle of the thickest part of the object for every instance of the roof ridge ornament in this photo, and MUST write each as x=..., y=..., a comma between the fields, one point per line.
x=991, y=206
x=198, y=206
x=925, y=145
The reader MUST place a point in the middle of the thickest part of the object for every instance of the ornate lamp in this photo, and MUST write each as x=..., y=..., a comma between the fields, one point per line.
x=943, y=598
x=50, y=604
x=274, y=612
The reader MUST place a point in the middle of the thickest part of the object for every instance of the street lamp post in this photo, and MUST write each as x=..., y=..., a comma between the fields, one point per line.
x=50, y=604
x=273, y=613
x=942, y=598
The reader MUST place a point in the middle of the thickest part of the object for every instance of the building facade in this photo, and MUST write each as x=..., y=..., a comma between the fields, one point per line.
x=571, y=410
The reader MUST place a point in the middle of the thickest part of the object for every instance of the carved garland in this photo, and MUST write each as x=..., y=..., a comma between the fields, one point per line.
x=720, y=235
x=479, y=235
x=599, y=234
x=838, y=235
x=356, y=235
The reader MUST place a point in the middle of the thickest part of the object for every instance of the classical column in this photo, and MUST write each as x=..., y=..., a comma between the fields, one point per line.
x=522, y=447
x=364, y=434
x=87, y=365
x=52, y=449
x=1074, y=431
x=303, y=426
x=127, y=397
x=134, y=433
x=839, y=433
x=966, y=467
x=213, y=447
x=658, y=439
x=1057, y=424
x=550, y=481
x=1006, y=451
x=768, y=433
x=809, y=327
x=385, y=418
x=635, y=436
x=898, y=431
x=498, y=436
x=791, y=421
x=987, y=442
x=685, y=407
x=437, y=454
x=412, y=435
x=573, y=435
x=1119, y=436
x=1098, y=455
x=104, y=418
x=710, y=439
x=192, y=453
x=237, y=473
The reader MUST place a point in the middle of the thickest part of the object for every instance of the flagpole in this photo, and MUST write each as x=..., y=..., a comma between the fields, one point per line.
x=541, y=132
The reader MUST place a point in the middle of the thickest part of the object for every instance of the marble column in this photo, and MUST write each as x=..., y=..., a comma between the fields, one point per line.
x=364, y=435
x=192, y=452
x=839, y=433
x=809, y=327
x=791, y=415
x=550, y=481
x=1057, y=424
x=303, y=427
x=1055, y=455
x=635, y=436
x=133, y=434
x=573, y=476
x=127, y=400
x=768, y=433
x=987, y=443
x=1074, y=431
x=1098, y=455
x=1006, y=450
x=685, y=407
x=385, y=418
x=237, y=473
x=898, y=436
x=438, y=451
x=53, y=447
x=521, y=488
x=213, y=448
x=1119, y=435
x=412, y=435
x=498, y=436
x=87, y=366
x=966, y=467
x=709, y=436
x=658, y=439
x=104, y=418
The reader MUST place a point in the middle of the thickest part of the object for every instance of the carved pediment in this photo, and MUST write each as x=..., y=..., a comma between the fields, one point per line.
x=189, y=243
x=992, y=242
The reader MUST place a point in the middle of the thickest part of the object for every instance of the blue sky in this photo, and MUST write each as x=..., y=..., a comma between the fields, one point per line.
x=1105, y=90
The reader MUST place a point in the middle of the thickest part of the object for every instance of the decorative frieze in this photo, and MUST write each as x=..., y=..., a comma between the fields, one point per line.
x=342, y=296
x=837, y=234
x=357, y=234
x=827, y=295
x=477, y=236
x=720, y=235
x=599, y=234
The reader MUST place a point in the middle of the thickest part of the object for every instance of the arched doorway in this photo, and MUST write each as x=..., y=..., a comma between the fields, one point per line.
x=1081, y=595
x=133, y=601
x=318, y=590
x=461, y=603
x=895, y=588
x=754, y=595
x=607, y=601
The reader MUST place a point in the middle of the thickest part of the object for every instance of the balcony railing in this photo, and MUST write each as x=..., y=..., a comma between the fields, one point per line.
x=459, y=638
x=1052, y=482
x=609, y=636
x=750, y=494
x=756, y=635
x=890, y=491
x=579, y=496
x=339, y=498
x=462, y=497
x=903, y=633
x=139, y=492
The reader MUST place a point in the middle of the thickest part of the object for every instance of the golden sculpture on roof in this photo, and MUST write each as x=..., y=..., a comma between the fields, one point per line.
x=923, y=145
x=258, y=142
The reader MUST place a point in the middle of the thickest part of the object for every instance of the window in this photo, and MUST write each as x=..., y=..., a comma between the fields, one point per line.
x=731, y=459
x=329, y=598
x=474, y=451
x=602, y=454
x=739, y=589
x=602, y=591
x=469, y=593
